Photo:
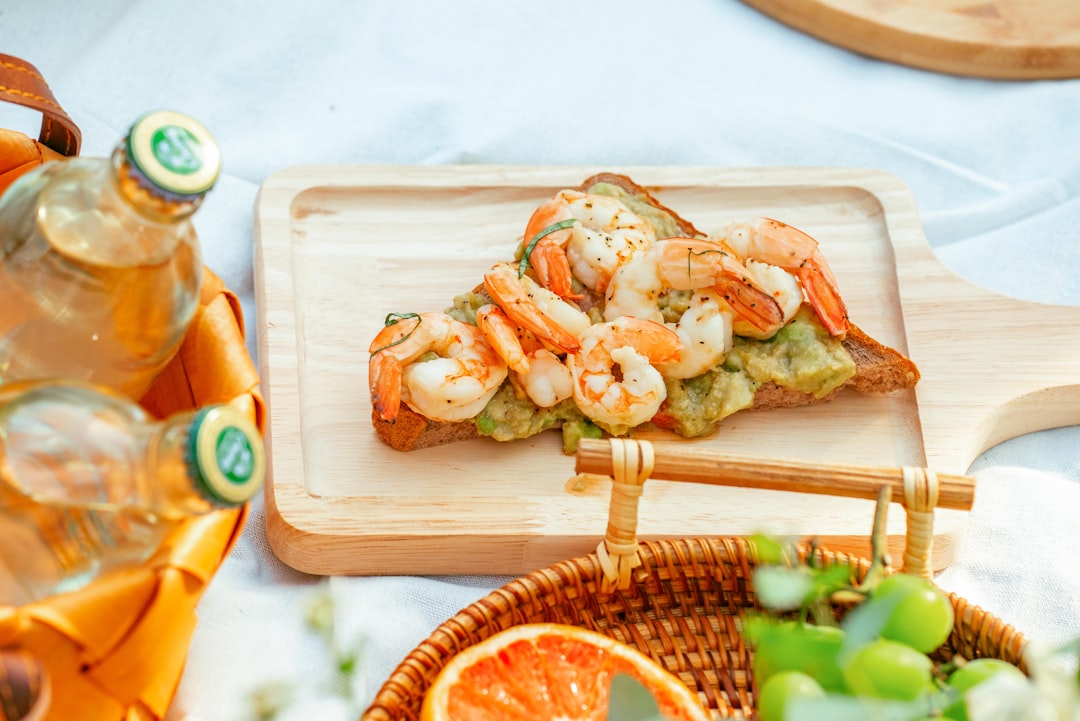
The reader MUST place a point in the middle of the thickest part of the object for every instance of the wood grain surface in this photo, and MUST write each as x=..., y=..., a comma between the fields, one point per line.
x=1003, y=39
x=337, y=248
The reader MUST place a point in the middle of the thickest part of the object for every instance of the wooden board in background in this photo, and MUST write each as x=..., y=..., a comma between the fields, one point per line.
x=337, y=248
x=1003, y=39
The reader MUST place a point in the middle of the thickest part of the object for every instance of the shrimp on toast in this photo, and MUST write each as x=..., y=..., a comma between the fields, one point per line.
x=616, y=383
x=541, y=373
x=613, y=314
x=784, y=246
x=535, y=308
x=701, y=318
x=583, y=236
x=694, y=264
x=454, y=385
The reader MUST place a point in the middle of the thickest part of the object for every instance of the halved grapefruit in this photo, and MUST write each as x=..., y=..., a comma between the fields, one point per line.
x=548, y=672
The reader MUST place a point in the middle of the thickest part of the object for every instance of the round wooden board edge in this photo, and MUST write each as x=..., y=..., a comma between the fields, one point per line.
x=923, y=50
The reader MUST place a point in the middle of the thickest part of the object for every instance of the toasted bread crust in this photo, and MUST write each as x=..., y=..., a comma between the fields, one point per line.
x=411, y=431
x=878, y=368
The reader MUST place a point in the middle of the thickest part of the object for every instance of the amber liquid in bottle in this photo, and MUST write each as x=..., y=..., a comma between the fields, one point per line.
x=90, y=482
x=94, y=282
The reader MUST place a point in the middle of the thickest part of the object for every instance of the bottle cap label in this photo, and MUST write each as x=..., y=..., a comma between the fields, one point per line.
x=226, y=455
x=177, y=149
x=235, y=457
x=174, y=152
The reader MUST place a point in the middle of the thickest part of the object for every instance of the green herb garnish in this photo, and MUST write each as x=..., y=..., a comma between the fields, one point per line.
x=394, y=319
x=524, y=264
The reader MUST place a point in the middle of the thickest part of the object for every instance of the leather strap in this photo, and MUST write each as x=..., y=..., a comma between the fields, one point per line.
x=22, y=84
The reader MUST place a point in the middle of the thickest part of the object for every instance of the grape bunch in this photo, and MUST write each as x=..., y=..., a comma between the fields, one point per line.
x=875, y=662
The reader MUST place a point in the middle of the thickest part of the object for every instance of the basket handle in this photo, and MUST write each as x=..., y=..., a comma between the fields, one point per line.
x=21, y=83
x=629, y=463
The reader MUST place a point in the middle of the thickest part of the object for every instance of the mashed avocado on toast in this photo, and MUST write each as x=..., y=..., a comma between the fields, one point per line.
x=805, y=361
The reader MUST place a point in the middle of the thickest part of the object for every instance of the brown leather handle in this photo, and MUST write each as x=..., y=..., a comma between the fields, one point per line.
x=22, y=84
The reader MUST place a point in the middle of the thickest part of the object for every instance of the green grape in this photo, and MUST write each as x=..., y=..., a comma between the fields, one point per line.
x=768, y=549
x=920, y=614
x=888, y=669
x=783, y=689
x=970, y=675
x=792, y=646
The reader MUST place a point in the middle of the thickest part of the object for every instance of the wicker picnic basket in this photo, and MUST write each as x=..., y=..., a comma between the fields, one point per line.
x=116, y=649
x=681, y=601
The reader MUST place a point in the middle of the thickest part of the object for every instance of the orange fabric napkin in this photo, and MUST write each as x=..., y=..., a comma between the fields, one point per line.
x=20, y=153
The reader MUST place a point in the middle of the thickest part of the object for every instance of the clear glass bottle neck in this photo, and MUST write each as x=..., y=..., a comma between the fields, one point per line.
x=177, y=490
x=70, y=445
x=153, y=202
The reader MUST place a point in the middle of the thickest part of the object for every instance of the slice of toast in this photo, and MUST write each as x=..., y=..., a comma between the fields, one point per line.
x=878, y=368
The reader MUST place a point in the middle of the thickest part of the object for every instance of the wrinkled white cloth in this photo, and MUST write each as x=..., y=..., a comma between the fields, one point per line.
x=992, y=165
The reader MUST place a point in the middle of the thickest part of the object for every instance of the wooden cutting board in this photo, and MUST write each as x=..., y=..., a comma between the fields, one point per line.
x=1005, y=39
x=337, y=248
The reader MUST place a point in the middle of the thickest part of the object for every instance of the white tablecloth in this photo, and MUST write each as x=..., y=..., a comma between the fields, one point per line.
x=994, y=168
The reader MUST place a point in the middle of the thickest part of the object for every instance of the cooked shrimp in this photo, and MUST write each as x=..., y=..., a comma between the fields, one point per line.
x=453, y=386
x=603, y=235
x=783, y=287
x=504, y=337
x=635, y=288
x=694, y=264
x=778, y=244
x=704, y=327
x=535, y=308
x=548, y=380
x=705, y=332
x=615, y=381
x=539, y=372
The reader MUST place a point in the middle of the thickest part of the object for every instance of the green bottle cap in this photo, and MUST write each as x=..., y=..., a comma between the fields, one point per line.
x=225, y=455
x=174, y=152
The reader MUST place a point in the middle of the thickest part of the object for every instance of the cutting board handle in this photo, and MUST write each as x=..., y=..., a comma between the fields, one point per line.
x=630, y=463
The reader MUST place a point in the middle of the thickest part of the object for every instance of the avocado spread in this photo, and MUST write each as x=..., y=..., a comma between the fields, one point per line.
x=665, y=225
x=466, y=305
x=695, y=405
x=802, y=356
x=510, y=415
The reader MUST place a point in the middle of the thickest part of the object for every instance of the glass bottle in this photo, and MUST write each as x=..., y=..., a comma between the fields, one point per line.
x=100, y=267
x=89, y=481
x=25, y=686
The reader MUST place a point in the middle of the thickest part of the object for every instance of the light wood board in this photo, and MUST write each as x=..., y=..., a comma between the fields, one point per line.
x=1003, y=39
x=337, y=248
